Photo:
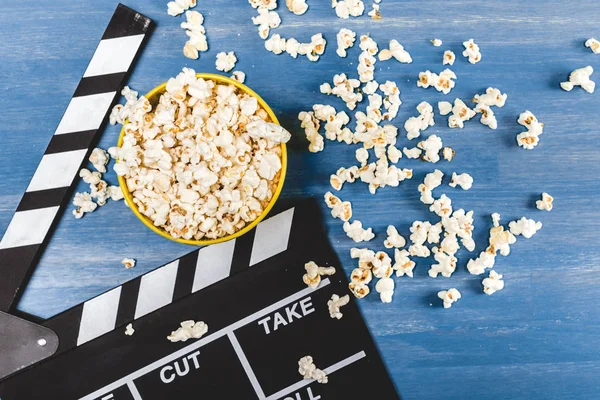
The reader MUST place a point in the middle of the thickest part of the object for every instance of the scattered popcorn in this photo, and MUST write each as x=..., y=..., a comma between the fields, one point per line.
x=472, y=51
x=367, y=60
x=449, y=58
x=442, y=82
x=403, y=264
x=345, y=40
x=339, y=209
x=226, y=61
x=385, y=288
x=308, y=370
x=128, y=263
x=499, y=240
x=545, y=203
x=375, y=13
x=446, y=265
x=188, y=330
x=593, y=44
x=448, y=153
x=580, y=77
x=99, y=158
x=298, y=7
x=84, y=204
x=129, y=331
x=397, y=51
x=347, y=8
x=464, y=180
x=525, y=227
x=196, y=33
x=493, y=283
x=313, y=275
x=394, y=239
x=449, y=296
x=238, y=76
x=436, y=42
x=414, y=125
x=335, y=304
x=177, y=7
x=266, y=20
x=414, y=152
x=431, y=148
x=201, y=164
x=530, y=139
x=356, y=232
x=392, y=101
x=460, y=114
x=344, y=88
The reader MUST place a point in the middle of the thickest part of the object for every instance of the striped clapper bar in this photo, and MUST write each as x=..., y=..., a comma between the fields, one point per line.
x=51, y=186
x=262, y=319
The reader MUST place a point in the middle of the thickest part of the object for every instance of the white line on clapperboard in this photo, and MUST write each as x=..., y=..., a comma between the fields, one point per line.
x=228, y=330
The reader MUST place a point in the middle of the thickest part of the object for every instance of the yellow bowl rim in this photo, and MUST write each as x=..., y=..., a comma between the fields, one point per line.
x=146, y=221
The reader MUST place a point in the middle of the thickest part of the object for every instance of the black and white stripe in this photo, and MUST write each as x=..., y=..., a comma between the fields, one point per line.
x=188, y=274
x=50, y=188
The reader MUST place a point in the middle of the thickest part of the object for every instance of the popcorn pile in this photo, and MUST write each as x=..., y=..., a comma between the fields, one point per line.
x=204, y=162
x=188, y=330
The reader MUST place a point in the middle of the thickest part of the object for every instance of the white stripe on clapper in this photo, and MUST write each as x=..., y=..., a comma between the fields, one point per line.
x=213, y=265
x=85, y=113
x=99, y=316
x=156, y=289
x=246, y=365
x=28, y=227
x=272, y=236
x=113, y=55
x=56, y=170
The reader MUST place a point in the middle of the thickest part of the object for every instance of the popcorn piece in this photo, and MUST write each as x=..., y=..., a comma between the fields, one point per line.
x=460, y=114
x=370, y=87
x=298, y=7
x=335, y=304
x=397, y=51
x=545, y=203
x=394, y=239
x=313, y=275
x=580, y=77
x=442, y=206
x=84, y=204
x=448, y=153
x=226, y=61
x=366, y=66
x=472, y=51
x=115, y=193
x=359, y=290
x=436, y=42
x=491, y=98
x=345, y=40
x=593, y=45
x=442, y=83
x=464, y=180
x=339, y=209
x=266, y=20
x=446, y=265
x=432, y=180
x=394, y=154
x=92, y=178
x=320, y=376
x=403, y=264
x=362, y=156
x=449, y=297
x=525, y=227
x=493, y=283
x=188, y=330
x=197, y=34
x=499, y=240
x=449, y=58
x=346, y=8
x=99, y=158
x=177, y=7
x=342, y=176
x=375, y=13
x=414, y=125
x=530, y=139
x=392, y=101
x=431, y=147
x=445, y=107
x=128, y=263
x=414, y=152
x=267, y=4
x=260, y=129
x=276, y=44
x=308, y=370
x=385, y=288
x=129, y=331
x=238, y=76
x=356, y=232
x=311, y=125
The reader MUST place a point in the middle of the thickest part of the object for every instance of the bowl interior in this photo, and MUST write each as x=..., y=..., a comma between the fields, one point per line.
x=153, y=97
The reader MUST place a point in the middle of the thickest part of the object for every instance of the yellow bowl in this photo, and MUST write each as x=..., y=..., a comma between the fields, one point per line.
x=153, y=97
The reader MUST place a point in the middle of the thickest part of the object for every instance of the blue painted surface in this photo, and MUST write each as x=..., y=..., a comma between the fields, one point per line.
x=537, y=339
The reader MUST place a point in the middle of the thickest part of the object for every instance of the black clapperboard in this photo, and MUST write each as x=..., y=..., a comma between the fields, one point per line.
x=262, y=318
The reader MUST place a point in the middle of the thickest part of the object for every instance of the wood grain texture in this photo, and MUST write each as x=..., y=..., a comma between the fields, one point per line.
x=536, y=339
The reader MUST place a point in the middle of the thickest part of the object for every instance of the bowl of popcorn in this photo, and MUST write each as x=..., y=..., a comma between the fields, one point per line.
x=201, y=159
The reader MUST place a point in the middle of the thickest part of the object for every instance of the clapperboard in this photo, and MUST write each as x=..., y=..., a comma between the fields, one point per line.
x=262, y=319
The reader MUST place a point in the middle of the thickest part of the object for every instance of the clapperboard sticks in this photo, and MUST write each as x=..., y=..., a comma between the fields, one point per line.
x=52, y=184
x=262, y=320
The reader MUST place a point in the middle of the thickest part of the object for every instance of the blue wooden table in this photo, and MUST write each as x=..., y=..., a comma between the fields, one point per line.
x=537, y=339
